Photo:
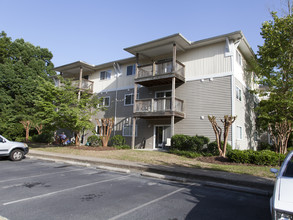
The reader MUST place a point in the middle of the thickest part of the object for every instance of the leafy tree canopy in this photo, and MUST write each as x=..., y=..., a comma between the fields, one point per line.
x=274, y=68
x=59, y=107
x=21, y=63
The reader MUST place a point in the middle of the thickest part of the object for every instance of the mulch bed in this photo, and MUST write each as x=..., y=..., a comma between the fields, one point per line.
x=215, y=159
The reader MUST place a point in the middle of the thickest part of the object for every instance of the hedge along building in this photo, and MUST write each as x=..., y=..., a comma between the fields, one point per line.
x=170, y=87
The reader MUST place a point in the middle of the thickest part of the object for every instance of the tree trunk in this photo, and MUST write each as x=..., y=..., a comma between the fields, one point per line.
x=105, y=127
x=227, y=122
x=27, y=125
x=76, y=136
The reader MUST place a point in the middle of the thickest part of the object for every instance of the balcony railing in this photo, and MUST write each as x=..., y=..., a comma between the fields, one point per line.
x=161, y=68
x=158, y=105
x=85, y=84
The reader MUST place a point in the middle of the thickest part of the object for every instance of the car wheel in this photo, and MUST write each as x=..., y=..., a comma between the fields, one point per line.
x=16, y=155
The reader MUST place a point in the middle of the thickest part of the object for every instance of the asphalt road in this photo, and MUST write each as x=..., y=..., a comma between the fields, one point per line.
x=36, y=189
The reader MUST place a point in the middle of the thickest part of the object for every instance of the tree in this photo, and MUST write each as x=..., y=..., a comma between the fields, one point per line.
x=27, y=125
x=59, y=107
x=21, y=63
x=105, y=127
x=227, y=122
x=274, y=68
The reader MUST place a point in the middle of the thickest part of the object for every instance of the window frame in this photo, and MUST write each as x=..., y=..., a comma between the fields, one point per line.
x=130, y=94
x=238, y=94
x=130, y=130
x=103, y=102
x=239, y=58
x=239, y=130
x=165, y=93
x=107, y=74
x=132, y=71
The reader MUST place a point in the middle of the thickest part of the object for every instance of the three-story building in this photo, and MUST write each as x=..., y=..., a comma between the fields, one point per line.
x=171, y=85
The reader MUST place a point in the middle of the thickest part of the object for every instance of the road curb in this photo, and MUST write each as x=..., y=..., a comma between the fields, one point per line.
x=162, y=172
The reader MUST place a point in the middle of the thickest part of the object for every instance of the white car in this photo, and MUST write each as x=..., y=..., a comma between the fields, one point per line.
x=282, y=200
x=15, y=150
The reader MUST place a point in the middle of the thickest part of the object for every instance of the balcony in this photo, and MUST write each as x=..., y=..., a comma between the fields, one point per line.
x=158, y=107
x=85, y=85
x=160, y=73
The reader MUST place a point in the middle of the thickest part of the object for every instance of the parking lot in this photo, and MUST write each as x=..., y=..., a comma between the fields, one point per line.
x=36, y=189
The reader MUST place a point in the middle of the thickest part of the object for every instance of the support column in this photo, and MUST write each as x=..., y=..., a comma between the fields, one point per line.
x=80, y=83
x=173, y=106
x=134, y=119
x=134, y=104
x=173, y=90
x=174, y=58
x=133, y=133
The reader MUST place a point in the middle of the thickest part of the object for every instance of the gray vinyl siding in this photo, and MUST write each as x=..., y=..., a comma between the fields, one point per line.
x=123, y=117
x=203, y=98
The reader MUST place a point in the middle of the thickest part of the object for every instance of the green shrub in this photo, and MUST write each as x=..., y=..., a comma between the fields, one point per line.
x=188, y=154
x=289, y=149
x=265, y=146
x=212, y=148
x=265, y=157
x=45, y=137
x=179, y=141
x=22, y=139
x=118, y=140
x=188, y=143
x=122, y=147
x=94, y=140
x=204, y=139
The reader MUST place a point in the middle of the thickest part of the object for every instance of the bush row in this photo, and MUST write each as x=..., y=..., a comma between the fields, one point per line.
x=264, y=157
x=188, y=143
x=198, y=144
x=117, y=141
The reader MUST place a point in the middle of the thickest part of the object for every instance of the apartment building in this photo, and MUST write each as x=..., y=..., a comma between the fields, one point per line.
x=170, y=86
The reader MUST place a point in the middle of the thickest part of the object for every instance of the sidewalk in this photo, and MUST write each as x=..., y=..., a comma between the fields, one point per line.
x=246, y=183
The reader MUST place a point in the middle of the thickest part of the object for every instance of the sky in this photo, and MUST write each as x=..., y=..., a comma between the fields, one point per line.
x=96, y=31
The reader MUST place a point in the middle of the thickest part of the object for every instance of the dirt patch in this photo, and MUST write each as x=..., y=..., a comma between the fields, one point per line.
x=215, y=159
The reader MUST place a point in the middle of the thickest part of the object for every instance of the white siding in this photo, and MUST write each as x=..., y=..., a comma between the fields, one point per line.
x=204, y=61
x=124, y=81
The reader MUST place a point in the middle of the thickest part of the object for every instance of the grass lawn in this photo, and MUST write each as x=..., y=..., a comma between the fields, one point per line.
x=164, y=158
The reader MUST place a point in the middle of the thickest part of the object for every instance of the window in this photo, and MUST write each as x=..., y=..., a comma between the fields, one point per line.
x=239, y=132
x=100, y=130
x=164, y=94
x=105, y=75
x=129, y=99
x=130, y=70
x=127, y=130
x=238, y=58
x=105, y=102
x=238, y=93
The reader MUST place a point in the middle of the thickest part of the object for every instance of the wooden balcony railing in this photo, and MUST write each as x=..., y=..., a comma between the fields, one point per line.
x=161, y=68
x=158, y=105
x=85, y=84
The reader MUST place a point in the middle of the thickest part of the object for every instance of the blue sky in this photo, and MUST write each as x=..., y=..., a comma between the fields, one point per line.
x=96, y=31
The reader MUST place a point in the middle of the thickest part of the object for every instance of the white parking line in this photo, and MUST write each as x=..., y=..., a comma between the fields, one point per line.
x=64, y=190
x=146, y=204
x=46, y=174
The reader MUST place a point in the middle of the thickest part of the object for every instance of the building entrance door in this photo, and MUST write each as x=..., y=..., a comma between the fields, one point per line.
x=161, y=135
